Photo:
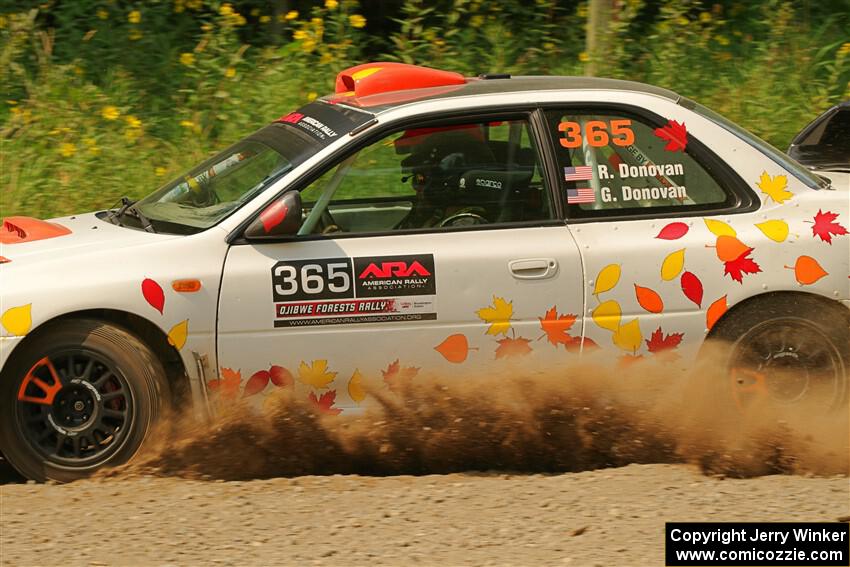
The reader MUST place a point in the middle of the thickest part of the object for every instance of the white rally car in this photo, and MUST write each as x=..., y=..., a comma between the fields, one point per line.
x=418, y=221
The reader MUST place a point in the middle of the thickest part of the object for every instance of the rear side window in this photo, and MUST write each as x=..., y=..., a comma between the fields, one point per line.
x=616, y=163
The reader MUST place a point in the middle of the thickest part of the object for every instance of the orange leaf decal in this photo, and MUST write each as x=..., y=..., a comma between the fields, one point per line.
x=454, y=349
x=675, y=134
x=228, y=385
x=627, y=360
x=395, y=375
x=807, y=270
x=325, y=402
x=281, y=377
x=657, y=342
x=825, y=226
x=556, y=326
x=648, y=299
x=256, y=383
x=730, y=248
x=692, y=288
x=715, y=312
x=509, y=348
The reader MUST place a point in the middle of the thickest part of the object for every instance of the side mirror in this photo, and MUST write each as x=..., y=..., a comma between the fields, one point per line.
x=280, y=218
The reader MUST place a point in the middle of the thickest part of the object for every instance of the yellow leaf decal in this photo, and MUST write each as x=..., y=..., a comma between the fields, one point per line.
x=316, y=374
x=776, y=230
x=672, y=265
x=775, y=187
x=178, y=333
x=18, y=320
x=628, y=336
x=498, y=315
x=720, y=228
x=355, y=387
x=607, y=279
x=607, y=315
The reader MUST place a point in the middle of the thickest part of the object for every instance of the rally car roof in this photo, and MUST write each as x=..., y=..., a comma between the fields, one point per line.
x=486, y=85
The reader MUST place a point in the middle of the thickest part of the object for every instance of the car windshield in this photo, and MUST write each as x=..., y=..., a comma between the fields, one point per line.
x=219, y=186
x=803, y=174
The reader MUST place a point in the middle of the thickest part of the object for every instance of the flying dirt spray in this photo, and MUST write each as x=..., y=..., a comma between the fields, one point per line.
x=592, y=414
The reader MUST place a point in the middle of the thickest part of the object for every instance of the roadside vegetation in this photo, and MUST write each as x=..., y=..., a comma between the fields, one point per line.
x=102, y=98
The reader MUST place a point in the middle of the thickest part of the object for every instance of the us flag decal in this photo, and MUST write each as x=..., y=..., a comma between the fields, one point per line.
x=581, y=195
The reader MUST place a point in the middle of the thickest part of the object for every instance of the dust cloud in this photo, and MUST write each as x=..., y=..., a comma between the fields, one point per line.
x=592, y=414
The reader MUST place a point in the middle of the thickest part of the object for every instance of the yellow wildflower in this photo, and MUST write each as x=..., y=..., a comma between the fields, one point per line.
x=230, y=72
x=134, y=17
x=254, y=12
x=357, y=21
x=722, y=40
x=583, y=57
x=331, y=4
x=135, y=35
x=308, y=45
x=178, y=6
x=265, y=19
x=682, y=21
x=311, y=96
x=132, y=121
x=326, y=58
x=102, y=14
x=132, y=134
x=206, y=28
x=705, y=17
x=67, y=149
x=844, y=49
x=548, y=46
x=110, y=113
x=3, y=21
x=476, y=21
x=187, y=59
x=291, y=15
x=194, y=4
x=226, y=10
x=11, y=102
x=317, y=22
x=187, y=124
x=298, y=35
x=91, y=144
x=160, y=171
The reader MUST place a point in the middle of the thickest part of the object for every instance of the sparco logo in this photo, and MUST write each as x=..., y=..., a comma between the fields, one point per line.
x=491, y=183
x=397, y=269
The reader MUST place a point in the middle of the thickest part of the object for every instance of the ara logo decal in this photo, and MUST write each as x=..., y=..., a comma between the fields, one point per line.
x=292, y=118
x=391, y=269
x=395, y=275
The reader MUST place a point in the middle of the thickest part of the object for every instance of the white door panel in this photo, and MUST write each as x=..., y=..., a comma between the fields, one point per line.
x=471, y=272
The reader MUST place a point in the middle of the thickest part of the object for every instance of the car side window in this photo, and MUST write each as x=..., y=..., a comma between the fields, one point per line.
x=460, y=175
x=613, y=163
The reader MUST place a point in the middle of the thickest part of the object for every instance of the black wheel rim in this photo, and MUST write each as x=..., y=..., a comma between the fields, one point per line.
x=74, y=408
x=786, y=362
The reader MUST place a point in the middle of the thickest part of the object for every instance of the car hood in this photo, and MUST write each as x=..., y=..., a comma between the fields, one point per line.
x=30, y=240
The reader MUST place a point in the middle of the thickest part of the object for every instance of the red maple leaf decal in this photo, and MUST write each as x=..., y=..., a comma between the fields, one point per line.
x=556, y=327
x=825, y=226
x=741, y=265
x=658, y=342
x=325, y=402
x=395, y=375
x=675, y=134
x=509, y=348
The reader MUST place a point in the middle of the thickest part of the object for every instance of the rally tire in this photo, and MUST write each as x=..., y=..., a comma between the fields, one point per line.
x=112, y=391
x=797, y=346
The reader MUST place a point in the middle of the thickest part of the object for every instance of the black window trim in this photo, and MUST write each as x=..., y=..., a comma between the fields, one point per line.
x=744, y=198
x=524, y=111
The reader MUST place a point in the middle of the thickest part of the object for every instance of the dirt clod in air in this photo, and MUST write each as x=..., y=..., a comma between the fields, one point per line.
x=589, y=415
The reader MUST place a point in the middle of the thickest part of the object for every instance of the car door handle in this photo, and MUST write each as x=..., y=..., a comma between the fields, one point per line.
x=533, y=268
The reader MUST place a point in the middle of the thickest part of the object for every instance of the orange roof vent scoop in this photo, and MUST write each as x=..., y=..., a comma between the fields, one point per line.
x=382, y=77
x=28, y=229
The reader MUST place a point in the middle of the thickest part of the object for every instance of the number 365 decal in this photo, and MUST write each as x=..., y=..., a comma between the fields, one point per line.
x=596, y=133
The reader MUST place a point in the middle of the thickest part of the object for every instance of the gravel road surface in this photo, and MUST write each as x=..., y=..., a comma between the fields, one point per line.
x=603, y=517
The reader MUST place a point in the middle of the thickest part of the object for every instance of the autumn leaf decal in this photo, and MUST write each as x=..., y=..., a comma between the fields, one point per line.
x=775, y=187
x=153, y=294
x=628, y=336
x=498, y=315
x=325, y=402
x=316, y=374
x=673, y=231
x=281, y=377
x=776, y=230
x=355, y=387
x=455, y=348
x=735, y=256
x=228, y=385
x=17, y=320
x=658, y=342
x=513, y=347
x=256, y=383
x=395, y=375
x=825, y=226
x=557, y=326
x=649, y=299
x=807, y=270
x=675, y=134
x=692, y=288
x=715, y=311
